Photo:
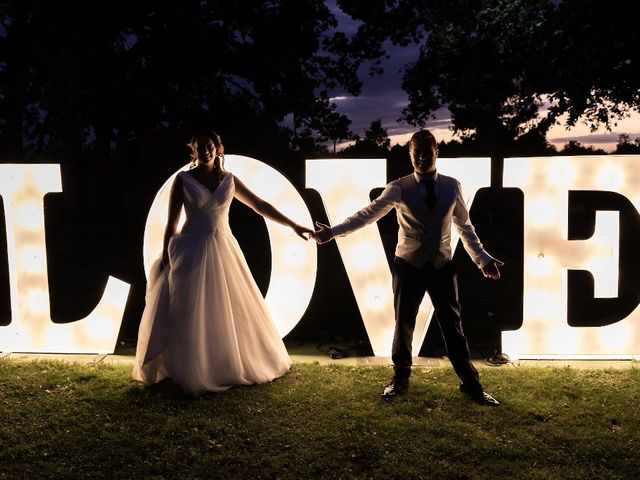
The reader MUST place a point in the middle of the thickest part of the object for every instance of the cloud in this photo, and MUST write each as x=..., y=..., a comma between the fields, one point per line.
x=382, y=98
x=602, y=138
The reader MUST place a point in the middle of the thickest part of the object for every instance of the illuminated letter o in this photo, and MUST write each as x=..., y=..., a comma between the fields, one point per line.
x=293, y=261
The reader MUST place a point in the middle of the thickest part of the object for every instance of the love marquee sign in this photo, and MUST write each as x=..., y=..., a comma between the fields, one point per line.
x=345, y=185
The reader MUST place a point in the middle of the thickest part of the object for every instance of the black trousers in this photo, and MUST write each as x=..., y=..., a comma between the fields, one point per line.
x=409, y=286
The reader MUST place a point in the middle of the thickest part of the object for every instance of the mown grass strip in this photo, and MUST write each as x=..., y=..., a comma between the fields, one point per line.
x=61, y=420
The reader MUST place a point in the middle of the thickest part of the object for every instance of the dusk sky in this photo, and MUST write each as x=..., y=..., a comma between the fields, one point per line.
x=383, y=98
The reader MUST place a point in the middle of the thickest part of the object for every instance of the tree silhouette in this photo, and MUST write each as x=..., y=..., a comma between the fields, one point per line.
x=335, y=128
x=495, y=63
x=573, y=147
x=377, y=135
x=626, y=146
x=472, y=58
x=375, y=143
x=588, y=63
x=104, y=76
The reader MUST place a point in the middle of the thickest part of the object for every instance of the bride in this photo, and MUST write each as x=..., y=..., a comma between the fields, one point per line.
x=205, y=324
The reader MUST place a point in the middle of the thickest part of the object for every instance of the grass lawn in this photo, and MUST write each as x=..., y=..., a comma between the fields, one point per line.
x=62, y=420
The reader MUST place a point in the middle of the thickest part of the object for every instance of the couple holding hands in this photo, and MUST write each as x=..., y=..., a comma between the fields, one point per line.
x=206, y=325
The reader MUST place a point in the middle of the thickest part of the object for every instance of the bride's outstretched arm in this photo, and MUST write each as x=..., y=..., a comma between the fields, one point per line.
x=175, y=206
x=265, y=209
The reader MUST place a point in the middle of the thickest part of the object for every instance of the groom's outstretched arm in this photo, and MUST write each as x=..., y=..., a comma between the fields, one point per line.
x=377, y=209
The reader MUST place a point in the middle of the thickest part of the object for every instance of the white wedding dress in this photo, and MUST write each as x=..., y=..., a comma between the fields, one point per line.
x=205, y=324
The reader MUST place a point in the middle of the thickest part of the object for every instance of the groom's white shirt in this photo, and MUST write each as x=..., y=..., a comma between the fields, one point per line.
x=423, y=236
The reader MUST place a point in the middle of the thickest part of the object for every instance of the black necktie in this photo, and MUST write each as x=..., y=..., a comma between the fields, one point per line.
x=431, y=198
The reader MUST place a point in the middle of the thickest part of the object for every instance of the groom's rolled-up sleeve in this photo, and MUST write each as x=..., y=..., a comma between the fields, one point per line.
x=470, y=240
x=373, y=212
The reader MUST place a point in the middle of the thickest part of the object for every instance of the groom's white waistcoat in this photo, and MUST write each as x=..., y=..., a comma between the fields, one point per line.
x=424, y=235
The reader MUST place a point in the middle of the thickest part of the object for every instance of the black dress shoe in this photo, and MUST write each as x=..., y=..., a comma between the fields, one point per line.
x=397, y=386
x=486, y=400
x=479, y=396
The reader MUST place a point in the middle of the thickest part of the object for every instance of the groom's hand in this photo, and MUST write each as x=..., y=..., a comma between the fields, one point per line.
x=323, y=234
x=491, y=269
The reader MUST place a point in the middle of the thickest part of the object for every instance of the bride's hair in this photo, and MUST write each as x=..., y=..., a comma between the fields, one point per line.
x=218, y=162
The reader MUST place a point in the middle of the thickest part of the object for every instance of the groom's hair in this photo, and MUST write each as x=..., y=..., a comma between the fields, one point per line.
x=424, y=136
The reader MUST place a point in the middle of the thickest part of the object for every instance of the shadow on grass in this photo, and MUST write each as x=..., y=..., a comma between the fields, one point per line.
x=318, y=421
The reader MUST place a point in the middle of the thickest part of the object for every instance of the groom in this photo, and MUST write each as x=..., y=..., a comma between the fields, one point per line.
x=426, y=203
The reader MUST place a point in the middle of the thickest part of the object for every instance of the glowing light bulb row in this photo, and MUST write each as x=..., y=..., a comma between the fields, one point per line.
x=345, y=186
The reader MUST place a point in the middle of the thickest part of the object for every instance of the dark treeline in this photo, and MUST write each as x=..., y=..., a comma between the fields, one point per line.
x=508, y=69
x=376, y=144
x=112, y=89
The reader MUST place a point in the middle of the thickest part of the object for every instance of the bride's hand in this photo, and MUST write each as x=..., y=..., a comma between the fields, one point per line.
x=301, y=231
